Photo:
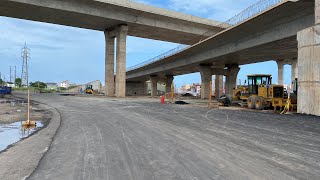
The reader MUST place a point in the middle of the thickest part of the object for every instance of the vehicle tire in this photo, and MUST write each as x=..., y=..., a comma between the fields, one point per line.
x=259, y=102
x=251, y=102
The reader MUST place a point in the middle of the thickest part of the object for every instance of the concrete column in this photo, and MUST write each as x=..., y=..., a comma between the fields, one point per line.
x=309, y=69
x=280, y=71
x=168, y=81
x=231, y=78
x=121, y=61
x=219, y=86
x=294, y=71
x=109, y=64
x=154, y=85
x=206, y=77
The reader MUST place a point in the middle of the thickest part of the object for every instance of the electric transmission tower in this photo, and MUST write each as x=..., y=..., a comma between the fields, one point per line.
x=25, y=55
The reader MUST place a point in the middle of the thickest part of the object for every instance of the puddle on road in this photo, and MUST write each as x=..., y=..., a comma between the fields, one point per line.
x=12, y=133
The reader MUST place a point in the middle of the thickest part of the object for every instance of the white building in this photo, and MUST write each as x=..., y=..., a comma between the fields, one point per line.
x=65, y=84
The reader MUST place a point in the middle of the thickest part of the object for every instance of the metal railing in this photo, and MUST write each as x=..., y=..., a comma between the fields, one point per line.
x=248, y=13
x=159, y=57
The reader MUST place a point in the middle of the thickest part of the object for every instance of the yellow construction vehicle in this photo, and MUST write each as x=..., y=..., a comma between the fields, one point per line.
x=260, y=93
x=89, y=90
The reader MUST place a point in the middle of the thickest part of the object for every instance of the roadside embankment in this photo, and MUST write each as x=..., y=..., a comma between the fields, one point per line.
x=22, y=158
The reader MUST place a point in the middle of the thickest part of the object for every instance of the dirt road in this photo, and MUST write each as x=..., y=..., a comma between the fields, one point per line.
x=143, y=140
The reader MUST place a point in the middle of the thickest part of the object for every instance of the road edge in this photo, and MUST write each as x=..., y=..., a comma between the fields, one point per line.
x=22, y=159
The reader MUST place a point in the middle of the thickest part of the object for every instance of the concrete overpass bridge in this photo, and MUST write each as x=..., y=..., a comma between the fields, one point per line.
x=287, y=32
x=117, y=19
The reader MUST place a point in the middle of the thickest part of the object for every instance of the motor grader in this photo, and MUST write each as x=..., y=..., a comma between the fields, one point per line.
x=260, y=93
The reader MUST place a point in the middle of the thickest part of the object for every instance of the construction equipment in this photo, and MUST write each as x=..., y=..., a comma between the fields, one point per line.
x=89, y=90
x=5, y=90
x=28, y=123
x=261, y=93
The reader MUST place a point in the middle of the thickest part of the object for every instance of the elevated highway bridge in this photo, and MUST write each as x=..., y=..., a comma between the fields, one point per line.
x=117, y=19
x=281, y=32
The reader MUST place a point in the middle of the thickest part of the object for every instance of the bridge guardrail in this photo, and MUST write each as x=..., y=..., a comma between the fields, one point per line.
x=159, y=57
x=246, y=14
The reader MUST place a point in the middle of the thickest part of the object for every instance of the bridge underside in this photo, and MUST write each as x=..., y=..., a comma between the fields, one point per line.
x=281, y=49
x=101, y=16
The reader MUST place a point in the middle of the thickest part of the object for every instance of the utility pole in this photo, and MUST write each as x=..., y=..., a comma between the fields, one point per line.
x=25, y=55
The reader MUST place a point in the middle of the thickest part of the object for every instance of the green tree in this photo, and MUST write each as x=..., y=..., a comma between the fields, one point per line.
x=38, y=84
x=1, y=81
x=18, y=82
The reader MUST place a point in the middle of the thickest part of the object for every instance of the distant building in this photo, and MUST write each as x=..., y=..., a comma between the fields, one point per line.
x=196, y=88
x=9, y=84
x=65, y=84
x=52, y=86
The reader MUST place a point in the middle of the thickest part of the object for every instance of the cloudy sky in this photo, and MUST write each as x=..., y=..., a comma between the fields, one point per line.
x=59, y=52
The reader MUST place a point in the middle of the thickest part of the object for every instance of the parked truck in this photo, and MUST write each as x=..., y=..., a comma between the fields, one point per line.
x=5, y=90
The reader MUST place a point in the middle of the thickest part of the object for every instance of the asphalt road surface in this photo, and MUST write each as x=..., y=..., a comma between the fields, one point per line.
x=123, y=139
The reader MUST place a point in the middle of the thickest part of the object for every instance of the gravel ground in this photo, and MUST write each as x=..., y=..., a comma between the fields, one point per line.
x=10, y=113
x=17, y=110
x=141, y=139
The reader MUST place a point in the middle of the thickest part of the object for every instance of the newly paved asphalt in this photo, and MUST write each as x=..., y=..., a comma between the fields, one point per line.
x=143, y=140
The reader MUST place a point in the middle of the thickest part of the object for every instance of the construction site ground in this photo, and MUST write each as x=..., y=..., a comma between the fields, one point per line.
x=142, y=139
x=14, y=109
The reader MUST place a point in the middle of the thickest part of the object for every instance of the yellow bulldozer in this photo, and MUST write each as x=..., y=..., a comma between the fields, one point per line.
x=89, y=90
x=260, y=93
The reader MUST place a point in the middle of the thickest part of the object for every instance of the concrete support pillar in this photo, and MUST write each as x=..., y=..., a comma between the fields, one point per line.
x=206, y=77
x=281, y=64
x=109, y=64
x=219, y=86
x=309, y=68
x=154, y=85
x=121, y=61
x=168, y=81
x=231, y=78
